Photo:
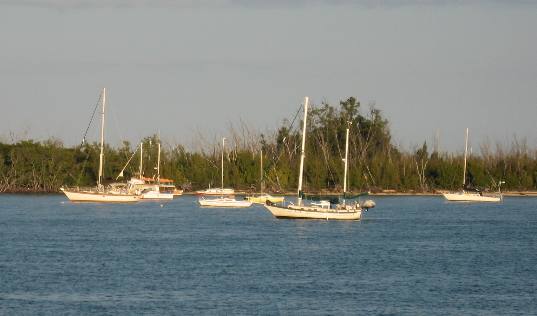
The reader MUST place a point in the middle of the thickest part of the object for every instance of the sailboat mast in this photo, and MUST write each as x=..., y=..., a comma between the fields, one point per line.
x=101, y=155
x=141, y=160
x=302, y=153
x=158, y=164
x=465, y=153
x=346, y=160
x=261, y=171
x=222, y=164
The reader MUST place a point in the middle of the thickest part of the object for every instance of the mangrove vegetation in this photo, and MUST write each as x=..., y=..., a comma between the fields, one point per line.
x=375, y=162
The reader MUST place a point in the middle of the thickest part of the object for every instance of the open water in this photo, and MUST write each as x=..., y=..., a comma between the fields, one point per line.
x=408, y=256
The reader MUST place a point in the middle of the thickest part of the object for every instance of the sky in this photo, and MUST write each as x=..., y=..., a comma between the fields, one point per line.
x=190, y=68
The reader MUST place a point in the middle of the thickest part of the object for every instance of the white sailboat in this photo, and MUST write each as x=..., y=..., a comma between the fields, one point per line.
x=223, y=201
x=322, y=209
x=262, y=198
x=155, y=188
x=218, y=191
x=100, y=193
x=158, y=190
x=467, y=196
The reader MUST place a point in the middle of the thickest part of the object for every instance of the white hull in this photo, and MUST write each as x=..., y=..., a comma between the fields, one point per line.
x=308, y=212
x=217, y=192
x=470, y=197
x=153, y=195
x=224, y=202
x=88, y=196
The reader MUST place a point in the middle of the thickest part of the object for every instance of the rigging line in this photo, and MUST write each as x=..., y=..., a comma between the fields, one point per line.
x=289, y=130
x=91, y=120
x=132, y=156
x=296, y=115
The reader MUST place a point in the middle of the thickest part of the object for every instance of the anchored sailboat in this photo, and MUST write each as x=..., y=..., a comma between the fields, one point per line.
x=158, y=189
x=322, y=209
x=466, y=196
x=100, y=193
x=218, y=191
x=262, y=198
x=223, y=201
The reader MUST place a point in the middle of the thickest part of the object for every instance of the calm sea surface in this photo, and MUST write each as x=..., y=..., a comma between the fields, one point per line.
x=409, y=256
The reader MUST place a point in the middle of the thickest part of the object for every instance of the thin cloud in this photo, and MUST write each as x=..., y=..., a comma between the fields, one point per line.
x=256, y=4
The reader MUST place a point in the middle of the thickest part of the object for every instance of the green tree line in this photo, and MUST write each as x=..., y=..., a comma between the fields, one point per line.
x=375, y=163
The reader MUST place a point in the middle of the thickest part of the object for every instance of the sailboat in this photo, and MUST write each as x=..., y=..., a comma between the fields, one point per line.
x=223, y=201
x=322, y=209
x=467, y=196
x=100, y=193
x=218, y=191
x=157, y=189
x=263, y=197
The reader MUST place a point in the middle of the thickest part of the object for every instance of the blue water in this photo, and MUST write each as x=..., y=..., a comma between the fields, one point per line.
x=409, y=256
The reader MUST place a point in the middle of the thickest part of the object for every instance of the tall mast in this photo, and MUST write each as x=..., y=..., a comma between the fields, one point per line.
x=346, y=159
x=222, y=164
x=101, y=155
x=158, y=164
x=141, y=160
x=302, y=153
x=465, y=153
x=261, y=171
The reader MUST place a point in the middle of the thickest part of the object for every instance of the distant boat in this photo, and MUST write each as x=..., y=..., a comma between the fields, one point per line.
x=100, y=193
x=155, y=188
x=263, y=198
x=160, y=189
x=216, y=191
x=222, y=201
x=177, y=192
x=475, y=196
x=322, y=209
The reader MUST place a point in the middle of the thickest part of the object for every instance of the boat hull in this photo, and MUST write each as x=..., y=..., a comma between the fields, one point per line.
x=313, y=213
x=224, y=202
x=152, y=195
x=216, y=192
x=87, y=196
x=264, y=198
x=470, y=197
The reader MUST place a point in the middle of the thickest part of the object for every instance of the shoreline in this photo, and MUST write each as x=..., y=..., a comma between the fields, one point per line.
x=243, y=193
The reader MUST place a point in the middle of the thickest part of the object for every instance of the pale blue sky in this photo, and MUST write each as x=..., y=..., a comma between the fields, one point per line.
x=182, y=67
